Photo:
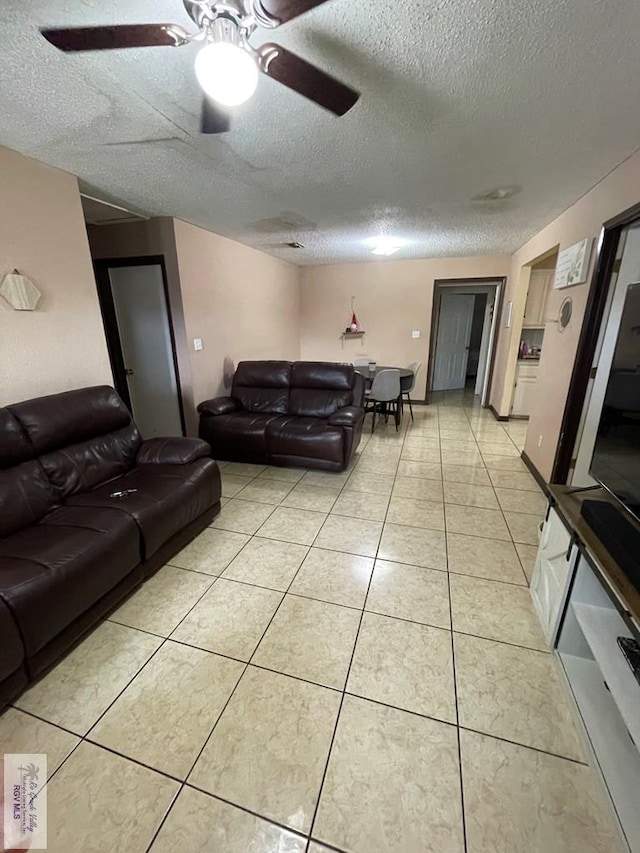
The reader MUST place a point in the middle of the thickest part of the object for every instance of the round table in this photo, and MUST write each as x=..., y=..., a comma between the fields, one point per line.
x=406, y=380
x=406, y=375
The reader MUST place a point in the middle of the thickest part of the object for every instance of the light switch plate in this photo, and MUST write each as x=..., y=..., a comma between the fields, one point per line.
x=415, y=334
x=197, y=344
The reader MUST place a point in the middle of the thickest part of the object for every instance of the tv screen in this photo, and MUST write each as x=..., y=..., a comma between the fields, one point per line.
x=616, y=456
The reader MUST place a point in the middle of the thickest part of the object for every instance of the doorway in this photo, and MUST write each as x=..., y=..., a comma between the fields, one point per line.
x=463, y=337
x=139, y=332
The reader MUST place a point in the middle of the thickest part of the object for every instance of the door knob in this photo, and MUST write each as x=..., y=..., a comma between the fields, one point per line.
x=128, y=371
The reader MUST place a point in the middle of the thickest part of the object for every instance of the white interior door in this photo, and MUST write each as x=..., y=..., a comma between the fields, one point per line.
x=452, y=341
x=145, y=337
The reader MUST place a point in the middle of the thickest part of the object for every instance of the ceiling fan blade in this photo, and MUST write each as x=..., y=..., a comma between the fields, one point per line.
x=282, y=11
x=213, y=118
x=112, y=38
x=306, y=79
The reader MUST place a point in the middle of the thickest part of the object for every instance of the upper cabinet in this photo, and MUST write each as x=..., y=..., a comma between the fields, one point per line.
x=539, y=287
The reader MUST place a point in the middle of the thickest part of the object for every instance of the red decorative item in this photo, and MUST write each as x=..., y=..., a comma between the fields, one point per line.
x=354, y=326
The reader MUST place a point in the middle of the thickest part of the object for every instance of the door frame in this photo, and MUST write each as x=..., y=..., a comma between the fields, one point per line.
x=101, y=267
x=439, y=283
x=588, y=341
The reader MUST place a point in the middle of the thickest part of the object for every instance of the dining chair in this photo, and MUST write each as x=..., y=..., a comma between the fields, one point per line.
x=384, y=394
x=406, y=392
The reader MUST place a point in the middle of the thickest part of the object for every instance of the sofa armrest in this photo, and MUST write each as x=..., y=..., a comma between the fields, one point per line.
x=172, y=451
x=219, y=406
x=348, y=416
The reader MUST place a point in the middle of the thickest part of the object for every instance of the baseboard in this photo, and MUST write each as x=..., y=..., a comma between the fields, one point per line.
x=498, y=417
x=537, y=476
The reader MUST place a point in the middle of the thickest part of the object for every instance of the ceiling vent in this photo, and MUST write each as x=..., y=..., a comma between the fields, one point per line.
x=498, y=194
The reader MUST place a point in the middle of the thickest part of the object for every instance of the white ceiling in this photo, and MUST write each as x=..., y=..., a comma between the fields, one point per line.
x=458, y=96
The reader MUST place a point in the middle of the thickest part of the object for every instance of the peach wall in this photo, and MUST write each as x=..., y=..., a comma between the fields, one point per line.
x=392, y=299
x=242, y=303
x=615, y=193
x=61, y=345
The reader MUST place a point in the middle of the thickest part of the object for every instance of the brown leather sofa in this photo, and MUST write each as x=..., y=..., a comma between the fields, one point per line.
x=303, y=413
x=88, y=510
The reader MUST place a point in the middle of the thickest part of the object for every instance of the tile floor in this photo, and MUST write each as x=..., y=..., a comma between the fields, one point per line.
x=341, y=662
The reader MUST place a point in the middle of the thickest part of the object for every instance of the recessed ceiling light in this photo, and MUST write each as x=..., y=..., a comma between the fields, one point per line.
x=385, y=245
x=498, y=193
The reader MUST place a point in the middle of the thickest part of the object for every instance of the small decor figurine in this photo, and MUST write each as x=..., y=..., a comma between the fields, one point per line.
x=353, y=326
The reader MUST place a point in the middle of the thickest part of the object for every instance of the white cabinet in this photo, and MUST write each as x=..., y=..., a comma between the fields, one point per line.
x=583, y=617
x=553, y=569
x=539, y=285
x=526, y=376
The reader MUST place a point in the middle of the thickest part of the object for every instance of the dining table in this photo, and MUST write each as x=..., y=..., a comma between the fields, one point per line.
x=406, y=375
x=406, y=380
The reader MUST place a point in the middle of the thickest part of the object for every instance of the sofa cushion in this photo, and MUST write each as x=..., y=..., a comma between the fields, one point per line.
x=26, y=496
x=12, y=656
x=244, y=431
x=318, y=389
x=262, y=386
x=15, y=447
x=161, y=499
x=310, y=437
x=83, y=437
x=51, y=572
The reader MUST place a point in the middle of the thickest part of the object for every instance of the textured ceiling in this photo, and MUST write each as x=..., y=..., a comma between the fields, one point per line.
x=458, y=96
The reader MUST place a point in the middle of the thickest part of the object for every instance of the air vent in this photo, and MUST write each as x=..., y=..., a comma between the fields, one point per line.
x=498, y=194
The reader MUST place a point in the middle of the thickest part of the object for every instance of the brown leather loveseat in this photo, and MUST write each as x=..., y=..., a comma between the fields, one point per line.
x=88, y=510
x=302, y=413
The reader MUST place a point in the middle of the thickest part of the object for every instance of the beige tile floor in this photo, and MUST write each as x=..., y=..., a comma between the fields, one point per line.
x=341, y=662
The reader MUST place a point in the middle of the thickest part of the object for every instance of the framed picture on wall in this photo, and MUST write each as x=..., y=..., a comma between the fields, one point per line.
x=573, y=265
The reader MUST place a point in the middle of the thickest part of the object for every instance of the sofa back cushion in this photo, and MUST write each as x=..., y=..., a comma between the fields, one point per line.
x=82, y=437
x=319, y=388
x=263, y=386
x=26, y=495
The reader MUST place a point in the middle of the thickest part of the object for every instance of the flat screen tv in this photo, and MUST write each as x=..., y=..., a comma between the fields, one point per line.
x=616, y=456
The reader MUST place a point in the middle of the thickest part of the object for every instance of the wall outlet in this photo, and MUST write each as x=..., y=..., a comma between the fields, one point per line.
x=415, y=334
x=539, y=441
x=197, y=344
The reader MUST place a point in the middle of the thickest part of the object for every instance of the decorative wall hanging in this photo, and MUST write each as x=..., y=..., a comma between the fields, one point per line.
x=20, y=292
x=564, y=315
x=353, y=328
x=573, y=265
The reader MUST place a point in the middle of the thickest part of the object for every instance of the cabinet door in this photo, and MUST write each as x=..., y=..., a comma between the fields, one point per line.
x=522, y=396
x=535, y=309
x=554, y=566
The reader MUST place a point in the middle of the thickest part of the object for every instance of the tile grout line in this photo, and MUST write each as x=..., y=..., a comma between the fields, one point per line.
x=226, y=704
x=453, y=666
x=346, y=680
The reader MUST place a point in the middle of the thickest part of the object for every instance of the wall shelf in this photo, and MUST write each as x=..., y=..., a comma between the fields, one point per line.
x=353, y=334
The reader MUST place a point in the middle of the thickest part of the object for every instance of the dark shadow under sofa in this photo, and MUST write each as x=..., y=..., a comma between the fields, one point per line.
x=88, y=510
x=303, y=413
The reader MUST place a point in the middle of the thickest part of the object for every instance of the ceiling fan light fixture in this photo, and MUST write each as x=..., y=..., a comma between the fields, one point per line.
x=227, y=73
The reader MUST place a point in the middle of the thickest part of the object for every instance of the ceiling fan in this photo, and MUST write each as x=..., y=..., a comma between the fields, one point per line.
x=227, y=66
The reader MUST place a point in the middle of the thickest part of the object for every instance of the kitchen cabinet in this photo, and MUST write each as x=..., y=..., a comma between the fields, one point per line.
x=526, y=376
x=537, y=295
